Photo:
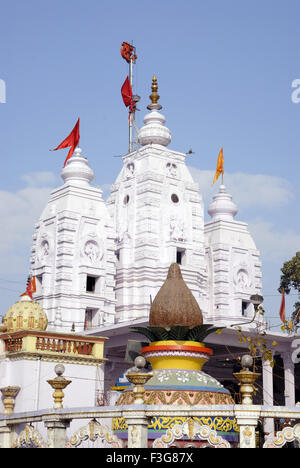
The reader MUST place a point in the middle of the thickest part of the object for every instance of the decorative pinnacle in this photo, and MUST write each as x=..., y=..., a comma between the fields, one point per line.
x=174, y=304
x=154, y=96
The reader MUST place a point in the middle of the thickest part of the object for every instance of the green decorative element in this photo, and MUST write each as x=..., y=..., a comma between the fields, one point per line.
x=161, y=423
x=176, y=333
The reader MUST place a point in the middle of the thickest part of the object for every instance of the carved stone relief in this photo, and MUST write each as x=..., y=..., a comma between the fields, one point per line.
x=241, y=276
x=43, y=248
x=130, y=168
x=176, y=229
x=92, y=249
x=172, y=169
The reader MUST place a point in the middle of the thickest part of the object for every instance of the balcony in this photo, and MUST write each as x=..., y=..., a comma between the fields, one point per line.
x=52, y=346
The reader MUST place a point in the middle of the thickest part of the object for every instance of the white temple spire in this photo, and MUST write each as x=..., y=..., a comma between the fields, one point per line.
x=154, y=130
x=222, y=207
x=77, y=170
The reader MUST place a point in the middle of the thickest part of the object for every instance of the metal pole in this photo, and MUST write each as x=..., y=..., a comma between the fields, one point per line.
x=130, y=114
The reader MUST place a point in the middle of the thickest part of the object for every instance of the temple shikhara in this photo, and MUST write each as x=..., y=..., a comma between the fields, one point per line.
x=144, y=327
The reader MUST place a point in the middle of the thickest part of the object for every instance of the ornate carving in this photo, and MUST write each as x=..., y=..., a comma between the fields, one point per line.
x=122, y=233
x=176, y=229
x=44, y=248
x=130, y=170
x=241, y=276
x=95, y=432
x=29, y=438
x=178, y=397
x=288, y=434
x=187, y=429
x=163, y=423
x=171, y=169
x=92, y=249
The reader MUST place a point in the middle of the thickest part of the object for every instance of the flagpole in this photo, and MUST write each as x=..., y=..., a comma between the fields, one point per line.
x=130, y=113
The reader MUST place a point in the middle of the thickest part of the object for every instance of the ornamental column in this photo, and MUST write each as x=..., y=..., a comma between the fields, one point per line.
x=136, y=420
x=56, y=431
x=289, y=379
x=268, y=395
x=247, y=414
x=137, y=428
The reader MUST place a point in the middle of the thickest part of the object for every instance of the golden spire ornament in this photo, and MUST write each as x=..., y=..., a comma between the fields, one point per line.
x=154, y=96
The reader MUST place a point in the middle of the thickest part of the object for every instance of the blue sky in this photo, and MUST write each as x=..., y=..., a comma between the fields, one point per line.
x=225, y=70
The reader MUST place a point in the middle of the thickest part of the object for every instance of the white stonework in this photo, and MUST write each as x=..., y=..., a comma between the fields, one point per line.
x=74, y=239
x=234, y=267
x=153, y=217
x=98, y=266
x=158, y=216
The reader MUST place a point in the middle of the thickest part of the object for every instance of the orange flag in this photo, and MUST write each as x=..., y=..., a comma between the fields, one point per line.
x=31, y=287
x=220, y=164
x=282, y=307
x=71, y=141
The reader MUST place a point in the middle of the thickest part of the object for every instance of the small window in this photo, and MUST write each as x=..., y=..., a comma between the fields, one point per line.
x=39, y=284
x=174, y=198
x=90, y=283
x=126, y=200
x=178, y=257
x=90, y=317
x=244, y=308
x=180, y=254
x=118, y=255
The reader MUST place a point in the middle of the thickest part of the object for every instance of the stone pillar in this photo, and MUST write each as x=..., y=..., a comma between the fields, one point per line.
x=7, y=434
x=137, y=429
x=268, y=395
x=289, y=379
x=247, y=420
x=56, y=431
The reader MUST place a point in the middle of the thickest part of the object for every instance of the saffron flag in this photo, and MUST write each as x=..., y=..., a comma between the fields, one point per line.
x=282, y=307
x=31, y=287
x=127, y=95
x=220, y=164
x=71, y=141
x=128, y=52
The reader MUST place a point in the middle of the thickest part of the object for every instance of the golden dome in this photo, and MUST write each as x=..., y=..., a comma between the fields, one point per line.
x=25, y=314
x=174, y=303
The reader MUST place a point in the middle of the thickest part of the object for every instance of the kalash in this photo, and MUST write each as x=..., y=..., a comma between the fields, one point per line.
x=177, y=354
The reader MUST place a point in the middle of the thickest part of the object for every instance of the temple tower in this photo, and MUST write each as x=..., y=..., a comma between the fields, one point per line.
x=233, y=262
x=73, y=256
x=158, y=215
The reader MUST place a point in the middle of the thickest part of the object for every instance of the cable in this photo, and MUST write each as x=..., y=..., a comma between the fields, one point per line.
x=8, y=289
x=11, y=281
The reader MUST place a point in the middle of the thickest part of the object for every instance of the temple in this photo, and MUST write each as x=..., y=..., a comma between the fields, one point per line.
x=99, y=266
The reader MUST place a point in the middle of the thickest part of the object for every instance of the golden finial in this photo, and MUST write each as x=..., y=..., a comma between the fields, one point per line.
x=154, y=96
x=59, y=384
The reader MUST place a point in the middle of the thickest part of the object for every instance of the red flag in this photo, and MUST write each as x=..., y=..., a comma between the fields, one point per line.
x=71, y=141
x=126, y=92
x=31, y=287
x=282, y=307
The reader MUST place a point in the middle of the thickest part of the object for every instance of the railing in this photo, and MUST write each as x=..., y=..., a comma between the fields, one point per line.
x=60, y=344
x=137, y=418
